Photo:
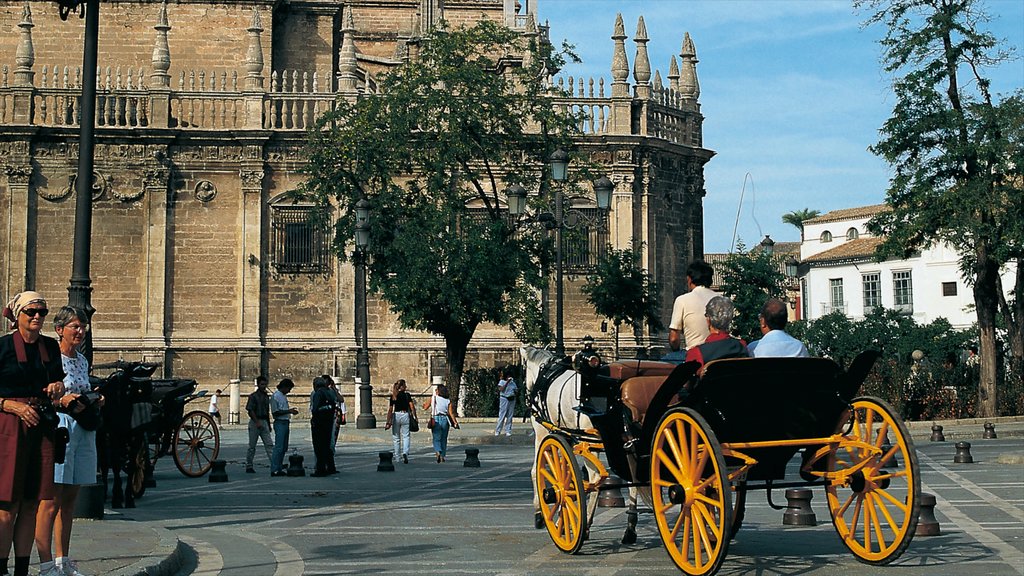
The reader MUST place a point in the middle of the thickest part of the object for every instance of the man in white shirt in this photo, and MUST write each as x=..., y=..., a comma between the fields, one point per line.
x=282, y=425
x=688, y=327
x=776, y=343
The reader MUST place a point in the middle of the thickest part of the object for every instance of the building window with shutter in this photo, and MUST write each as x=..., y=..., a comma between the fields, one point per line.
x=871, y=287
x=826, y=236
x=298, y=246
x=837, y=302
x=903, y=291
x=852, y=234
x=949, y=288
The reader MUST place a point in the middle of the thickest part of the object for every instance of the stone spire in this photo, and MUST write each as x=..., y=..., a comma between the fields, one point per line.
x=25, y=56
x=531, y=39
x=673, y=75
x=642, y=64
x=688, y=85
x=348, y=79
x=620, y=65
x=657, y=81
x=161, y=52
x=254, y=58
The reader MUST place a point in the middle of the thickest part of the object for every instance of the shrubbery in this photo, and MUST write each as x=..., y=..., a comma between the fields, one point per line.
x=480, y=392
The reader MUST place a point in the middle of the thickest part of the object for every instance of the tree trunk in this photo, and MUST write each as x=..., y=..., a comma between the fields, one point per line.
x=986, y=304
x=1013, y=315
x=455, y=344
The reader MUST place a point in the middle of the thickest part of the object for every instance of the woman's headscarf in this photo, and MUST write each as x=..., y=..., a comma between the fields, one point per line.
x=19, y=301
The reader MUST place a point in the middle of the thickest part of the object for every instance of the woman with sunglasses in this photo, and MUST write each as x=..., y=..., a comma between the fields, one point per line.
x=31, y=381
x=80, y=457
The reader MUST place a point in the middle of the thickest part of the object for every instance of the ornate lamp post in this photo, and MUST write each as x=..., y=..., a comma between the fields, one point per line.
x=558, y=163
x=366, y=419
x=80, y=288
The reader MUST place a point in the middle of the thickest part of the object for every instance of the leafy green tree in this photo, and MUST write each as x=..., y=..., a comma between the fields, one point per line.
x=796, y=218
x=433, y=153
x=958, y=157
x=751, y=278
x=621, y=289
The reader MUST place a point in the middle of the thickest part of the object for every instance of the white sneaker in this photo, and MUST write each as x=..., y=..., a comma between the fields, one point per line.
x=508, y=433
x=70, y=568
x=496, y=432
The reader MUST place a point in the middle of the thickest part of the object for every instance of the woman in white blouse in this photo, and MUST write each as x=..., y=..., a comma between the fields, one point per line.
x=444, y=418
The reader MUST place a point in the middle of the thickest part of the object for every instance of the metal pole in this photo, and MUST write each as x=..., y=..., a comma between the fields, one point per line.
x=366, y=419
x=559, y=335
x=80, y=289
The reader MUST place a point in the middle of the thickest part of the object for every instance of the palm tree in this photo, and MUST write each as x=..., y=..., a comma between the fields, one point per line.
x=797, y=217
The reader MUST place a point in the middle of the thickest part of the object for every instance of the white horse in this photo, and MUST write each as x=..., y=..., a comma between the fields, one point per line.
x=562, y=398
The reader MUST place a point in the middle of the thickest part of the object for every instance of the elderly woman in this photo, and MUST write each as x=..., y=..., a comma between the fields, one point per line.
x=719, y=313
x=79, y=465
x=31, y=380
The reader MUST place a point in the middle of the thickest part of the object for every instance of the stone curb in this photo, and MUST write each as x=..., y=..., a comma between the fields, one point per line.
x=165, y=560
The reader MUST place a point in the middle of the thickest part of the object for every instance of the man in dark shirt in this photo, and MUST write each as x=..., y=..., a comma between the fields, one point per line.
x=258, y=408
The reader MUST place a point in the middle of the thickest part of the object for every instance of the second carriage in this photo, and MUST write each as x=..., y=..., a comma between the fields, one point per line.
x=693, y=447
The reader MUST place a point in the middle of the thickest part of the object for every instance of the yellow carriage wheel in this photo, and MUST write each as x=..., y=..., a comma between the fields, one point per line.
x=874, y=508
x=691, y=492
x=563, y=502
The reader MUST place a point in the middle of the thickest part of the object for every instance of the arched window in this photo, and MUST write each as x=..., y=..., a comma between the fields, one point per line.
x=826, y=236
x=852, y=234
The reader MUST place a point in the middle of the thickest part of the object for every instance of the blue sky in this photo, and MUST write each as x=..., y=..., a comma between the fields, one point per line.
x=791, y=90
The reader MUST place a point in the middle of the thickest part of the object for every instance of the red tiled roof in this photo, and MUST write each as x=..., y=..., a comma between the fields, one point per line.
x=848, y=214
x=853, y=249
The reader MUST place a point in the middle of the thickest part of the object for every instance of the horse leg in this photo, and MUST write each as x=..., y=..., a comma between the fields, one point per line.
x=116, y=493
x=629, y=537
x=130, y=470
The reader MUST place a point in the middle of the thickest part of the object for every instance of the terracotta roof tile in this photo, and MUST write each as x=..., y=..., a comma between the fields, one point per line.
x=853, y=249
x=849, y=214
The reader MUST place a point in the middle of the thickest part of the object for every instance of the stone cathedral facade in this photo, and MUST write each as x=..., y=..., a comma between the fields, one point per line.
x=201, y=117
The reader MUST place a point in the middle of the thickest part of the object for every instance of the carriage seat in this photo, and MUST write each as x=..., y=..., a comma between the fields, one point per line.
x=627, y=370
x=637, y=393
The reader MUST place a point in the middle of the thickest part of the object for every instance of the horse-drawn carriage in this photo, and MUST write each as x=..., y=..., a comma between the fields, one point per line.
x=692, y=447
x=145, y=419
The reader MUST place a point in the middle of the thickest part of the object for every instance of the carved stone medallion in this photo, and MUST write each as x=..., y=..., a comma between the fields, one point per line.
x=205, y=191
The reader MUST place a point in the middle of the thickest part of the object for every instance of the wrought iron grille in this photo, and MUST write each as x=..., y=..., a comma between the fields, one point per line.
x=298, y=245
x=584, y=240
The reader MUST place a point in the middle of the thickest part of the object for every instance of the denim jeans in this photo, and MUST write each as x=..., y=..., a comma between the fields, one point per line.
x=440, y=434
x=506, y=409
x=400, y=432
x=282, y=428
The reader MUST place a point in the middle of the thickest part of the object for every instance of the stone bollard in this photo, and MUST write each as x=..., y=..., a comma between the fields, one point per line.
x=386, y=463
x=937, y=435
x=990, y=431
x=472, y=458
x=218, y=471
x=798, y=508
x=611, y=497
x=927, y=525
x=90, y=500
x=963, y=453
x=295, y=465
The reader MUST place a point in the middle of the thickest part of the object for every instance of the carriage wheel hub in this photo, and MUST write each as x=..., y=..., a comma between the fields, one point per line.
x=858, y=482
x=676, y=494
x=550, y=495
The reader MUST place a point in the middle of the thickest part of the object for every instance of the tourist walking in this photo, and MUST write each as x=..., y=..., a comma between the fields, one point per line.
x=401, y=412
x=214, y=409
x=258, y=408
x=443, y=416
x=506, y=402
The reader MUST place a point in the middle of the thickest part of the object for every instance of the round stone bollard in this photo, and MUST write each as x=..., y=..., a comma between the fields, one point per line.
x=927, y=525
x=295, y=465
x=963, y=453
x=937, y=435
x=798, y=508
x=387, y=462
x=218, y=471
x=990, y=431
x=611, y=497
x=472, y=458
x=90, y=501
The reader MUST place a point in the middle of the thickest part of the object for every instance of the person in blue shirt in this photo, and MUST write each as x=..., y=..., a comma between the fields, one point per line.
x=775, y=342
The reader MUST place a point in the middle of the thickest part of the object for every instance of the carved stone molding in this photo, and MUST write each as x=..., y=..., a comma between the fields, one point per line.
x=18, y=174
x=154, y=177
x=252, y=179
x=623, y=182
x=100, y=185
x=205, y=191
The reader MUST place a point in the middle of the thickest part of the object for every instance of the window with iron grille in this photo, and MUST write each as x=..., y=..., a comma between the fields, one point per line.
x=949, y=288
x=584, y=243
x=871, y=286
x=903, y=291
x=298, y=246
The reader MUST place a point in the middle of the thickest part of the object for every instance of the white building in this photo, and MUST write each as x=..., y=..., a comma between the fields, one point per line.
x=837, y=254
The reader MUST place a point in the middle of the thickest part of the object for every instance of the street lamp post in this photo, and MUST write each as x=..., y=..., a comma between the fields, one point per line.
x=516, y=198
x=366, y=419
x=80, y=288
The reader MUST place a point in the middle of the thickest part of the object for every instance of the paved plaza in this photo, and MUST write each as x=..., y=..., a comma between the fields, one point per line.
x=450, y=519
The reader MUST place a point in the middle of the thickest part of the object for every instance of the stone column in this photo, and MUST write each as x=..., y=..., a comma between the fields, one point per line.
x=251, y=262
x=154, y=303
x=16, y=264
x=24, y=58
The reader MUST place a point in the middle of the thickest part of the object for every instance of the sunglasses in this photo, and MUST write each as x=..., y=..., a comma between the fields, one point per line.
x=32, y=312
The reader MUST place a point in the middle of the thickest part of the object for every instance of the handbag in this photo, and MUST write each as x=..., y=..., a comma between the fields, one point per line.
x=431, y=423
x=414, y=424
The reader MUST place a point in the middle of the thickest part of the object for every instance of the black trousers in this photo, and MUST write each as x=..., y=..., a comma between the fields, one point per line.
x=321, y=425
